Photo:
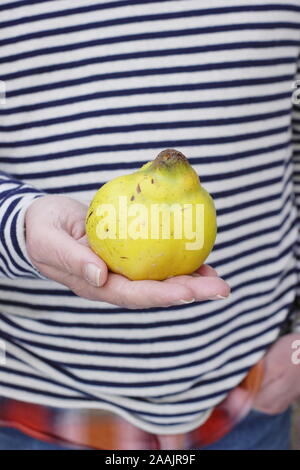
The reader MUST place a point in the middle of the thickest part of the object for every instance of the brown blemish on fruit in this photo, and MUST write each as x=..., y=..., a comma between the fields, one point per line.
x=152, y=180
x=89, y=215
x=123, y=257
x=132, y=198
x=138, y=189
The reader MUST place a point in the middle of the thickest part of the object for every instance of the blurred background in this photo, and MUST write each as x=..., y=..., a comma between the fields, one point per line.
x=296, y=426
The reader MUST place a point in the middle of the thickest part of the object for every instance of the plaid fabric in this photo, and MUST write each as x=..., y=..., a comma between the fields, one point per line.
x=98, y=429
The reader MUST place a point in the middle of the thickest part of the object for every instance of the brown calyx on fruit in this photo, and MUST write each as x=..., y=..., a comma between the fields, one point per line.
x=168, y=158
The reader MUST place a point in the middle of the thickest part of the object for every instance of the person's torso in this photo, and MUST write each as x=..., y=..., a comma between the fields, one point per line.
x=95, y=94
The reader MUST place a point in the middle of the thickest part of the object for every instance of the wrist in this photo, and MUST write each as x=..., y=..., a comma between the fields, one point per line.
x=21, y=234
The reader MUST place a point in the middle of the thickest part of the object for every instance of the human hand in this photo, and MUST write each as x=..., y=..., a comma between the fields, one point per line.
x=281, y=380
x=57, y=246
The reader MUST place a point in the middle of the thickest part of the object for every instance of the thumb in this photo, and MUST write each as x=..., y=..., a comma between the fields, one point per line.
x=75, y=257
x=237, y=403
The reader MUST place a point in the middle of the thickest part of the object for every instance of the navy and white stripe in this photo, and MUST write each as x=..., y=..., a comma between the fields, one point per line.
x=94, y=90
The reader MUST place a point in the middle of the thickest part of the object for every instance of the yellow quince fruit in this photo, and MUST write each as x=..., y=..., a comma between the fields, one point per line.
x=155, y=223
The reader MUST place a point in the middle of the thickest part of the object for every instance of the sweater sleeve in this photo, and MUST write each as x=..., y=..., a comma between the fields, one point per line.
x=15, y=197
x=296, y=181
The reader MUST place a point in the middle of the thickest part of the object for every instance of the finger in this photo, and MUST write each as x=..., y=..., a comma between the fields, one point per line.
x=68, y=255
x=78, y=285
x=143, y=294
x=276, y=395
x=274, y=398
x=120, y=291
x=203, y=288
x=84, y=241
x=271, y=409
x=206, y=270
x=237, y=402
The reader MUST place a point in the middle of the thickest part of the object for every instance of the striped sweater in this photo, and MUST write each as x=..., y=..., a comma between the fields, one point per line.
x=94, y=89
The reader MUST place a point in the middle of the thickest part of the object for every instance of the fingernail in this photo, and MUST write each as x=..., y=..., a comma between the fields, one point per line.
x=92, y=274
x=216, y=297
x=196, y=275
x=188, y=301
